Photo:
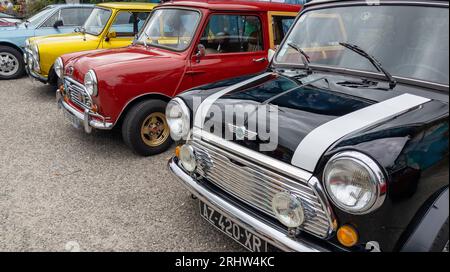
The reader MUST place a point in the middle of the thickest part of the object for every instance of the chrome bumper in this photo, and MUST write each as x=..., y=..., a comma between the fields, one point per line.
x=28, y=59
x=86, y=117
x=274, y=236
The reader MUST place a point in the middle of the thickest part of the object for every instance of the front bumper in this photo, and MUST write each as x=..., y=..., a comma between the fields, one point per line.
x=88, y=118
x=29, y=67
x=245, y=219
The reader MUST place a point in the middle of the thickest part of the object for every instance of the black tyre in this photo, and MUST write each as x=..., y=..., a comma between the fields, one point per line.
x=145, y=129
x=441, y=242
x=11, y=63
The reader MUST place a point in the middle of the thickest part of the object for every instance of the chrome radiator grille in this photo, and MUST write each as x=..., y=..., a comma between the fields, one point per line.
x=256, y=185
x=77, y=93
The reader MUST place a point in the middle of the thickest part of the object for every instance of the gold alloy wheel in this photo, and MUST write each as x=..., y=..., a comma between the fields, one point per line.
x=154, y=129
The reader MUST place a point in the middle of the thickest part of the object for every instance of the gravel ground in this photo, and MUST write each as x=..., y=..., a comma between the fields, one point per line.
x=61, y=189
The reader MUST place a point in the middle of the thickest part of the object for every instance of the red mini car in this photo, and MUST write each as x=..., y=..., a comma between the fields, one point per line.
x=182, y=45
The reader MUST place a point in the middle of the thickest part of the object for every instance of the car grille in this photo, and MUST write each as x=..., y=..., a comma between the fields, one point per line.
x=77, y=93
x=255, y=185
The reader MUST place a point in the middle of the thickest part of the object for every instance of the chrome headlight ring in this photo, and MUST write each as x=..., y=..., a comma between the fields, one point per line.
x=355, y=183
x=58, y=66
x=178, y=118
x=90, y=83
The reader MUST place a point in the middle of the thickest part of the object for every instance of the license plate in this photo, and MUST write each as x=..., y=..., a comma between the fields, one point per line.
x=241, y=235
x=75, y=122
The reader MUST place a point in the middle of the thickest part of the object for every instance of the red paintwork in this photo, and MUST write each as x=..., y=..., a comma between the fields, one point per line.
x=125, y=74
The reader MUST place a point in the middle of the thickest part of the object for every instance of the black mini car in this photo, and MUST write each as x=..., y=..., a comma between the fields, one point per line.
x=341, y=145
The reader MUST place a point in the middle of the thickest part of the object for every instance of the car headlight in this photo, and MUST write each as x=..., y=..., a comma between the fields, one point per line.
x=178, y=118
x=90, y=83
x=59, y=68
x=354, y=182
x=187, y=157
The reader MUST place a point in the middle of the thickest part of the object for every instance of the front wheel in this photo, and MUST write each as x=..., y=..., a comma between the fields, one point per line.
x=11, y=63
x=145, y=129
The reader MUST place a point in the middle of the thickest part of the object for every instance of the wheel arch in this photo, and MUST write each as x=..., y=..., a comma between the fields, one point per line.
x=136, y=100
x=12, y=45
x=427, y=223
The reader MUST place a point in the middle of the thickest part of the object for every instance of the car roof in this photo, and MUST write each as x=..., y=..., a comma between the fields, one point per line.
x=373, y=2
x=128, y=5
x=70, y=5
x=235, y=5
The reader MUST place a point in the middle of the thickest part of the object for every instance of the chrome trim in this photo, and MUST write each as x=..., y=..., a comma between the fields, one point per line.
x=86, y=117
x=29, y=59
x=319, y=140
x=379, y=185
x=253, y=156
x=270, y=234
x=256, y=186
x=80, y=89
x=95, y=85
x=186, y=112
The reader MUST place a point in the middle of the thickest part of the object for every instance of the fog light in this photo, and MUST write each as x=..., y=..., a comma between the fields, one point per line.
x=288, y=209
x=187, y=157
x=347, y=236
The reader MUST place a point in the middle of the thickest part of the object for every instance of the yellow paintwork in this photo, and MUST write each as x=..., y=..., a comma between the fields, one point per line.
x=270, y=15
x=53, y=46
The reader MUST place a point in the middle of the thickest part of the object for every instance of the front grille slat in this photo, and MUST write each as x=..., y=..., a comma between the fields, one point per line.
x=77, y=93
x=256, y=185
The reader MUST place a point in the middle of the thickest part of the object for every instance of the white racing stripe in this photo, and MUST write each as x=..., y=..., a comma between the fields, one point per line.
x=314, y=145
x=204, y=107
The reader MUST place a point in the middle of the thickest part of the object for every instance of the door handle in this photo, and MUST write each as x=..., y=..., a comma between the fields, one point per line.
x=193, y=73
x=260, y=60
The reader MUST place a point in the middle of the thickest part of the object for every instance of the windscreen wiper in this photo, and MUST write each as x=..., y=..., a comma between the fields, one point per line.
x=373, y=60
x=305, y=58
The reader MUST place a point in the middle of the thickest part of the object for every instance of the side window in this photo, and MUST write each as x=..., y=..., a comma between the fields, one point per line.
x=74, y=16
x=49, y=22
x=281, y=25
x=232, y=34
x=128, y=24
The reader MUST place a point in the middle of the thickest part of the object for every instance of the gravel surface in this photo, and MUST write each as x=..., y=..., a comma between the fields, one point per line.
x=61, y=189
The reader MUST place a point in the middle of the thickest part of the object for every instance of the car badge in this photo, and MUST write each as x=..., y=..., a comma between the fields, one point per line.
x=70, y=70
x=242, y=132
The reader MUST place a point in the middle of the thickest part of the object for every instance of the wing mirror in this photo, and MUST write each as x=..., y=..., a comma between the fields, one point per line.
x=58, y=23
x=111, y=35
x=201, y=52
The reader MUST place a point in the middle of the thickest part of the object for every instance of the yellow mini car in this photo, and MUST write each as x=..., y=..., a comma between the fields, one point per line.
x=110, y=25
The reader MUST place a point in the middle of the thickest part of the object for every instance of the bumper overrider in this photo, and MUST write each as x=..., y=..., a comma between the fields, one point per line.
x=89, y=119
x=30, y=62
x=261, y=228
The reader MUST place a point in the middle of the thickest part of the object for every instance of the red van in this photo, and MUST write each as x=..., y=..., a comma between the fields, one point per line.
x=182, y=45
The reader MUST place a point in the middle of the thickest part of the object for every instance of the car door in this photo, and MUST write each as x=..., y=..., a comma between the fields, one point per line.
x=124, y=27
x=71, y=17
x=234, y=45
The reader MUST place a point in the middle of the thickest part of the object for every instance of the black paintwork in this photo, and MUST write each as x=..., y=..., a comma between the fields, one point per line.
x=413, y=148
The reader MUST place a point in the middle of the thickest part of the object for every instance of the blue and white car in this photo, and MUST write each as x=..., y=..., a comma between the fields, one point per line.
x=53, y=19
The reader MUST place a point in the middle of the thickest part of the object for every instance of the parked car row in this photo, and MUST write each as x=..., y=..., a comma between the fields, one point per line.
x=323, y=131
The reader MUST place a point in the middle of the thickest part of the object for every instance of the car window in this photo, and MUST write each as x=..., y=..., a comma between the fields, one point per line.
x=74, y=16
x=97, y=20
x=281, y=25
x=170, y=28
x=232, y=34
x=51, y=20
x=128, y=23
